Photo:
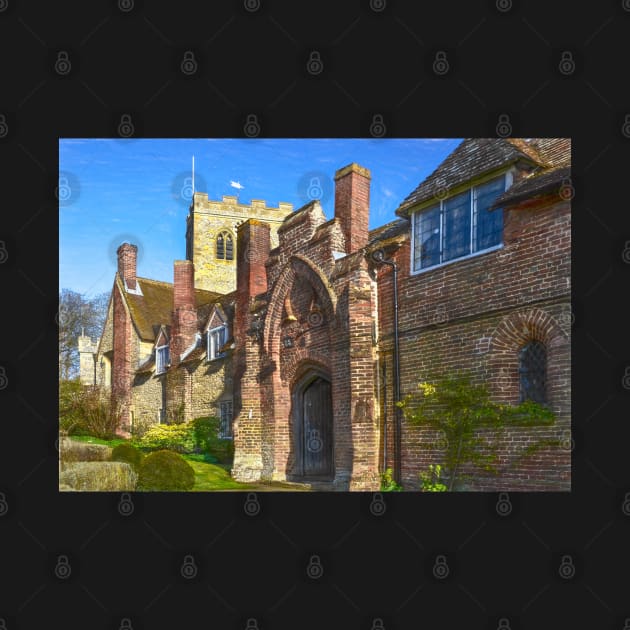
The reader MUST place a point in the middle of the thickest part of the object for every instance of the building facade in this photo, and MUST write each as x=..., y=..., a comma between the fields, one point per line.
x=283, y=322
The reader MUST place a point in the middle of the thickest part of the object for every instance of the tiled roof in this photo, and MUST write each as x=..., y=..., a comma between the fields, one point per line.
x=155, y=305
x=547, y=181
x=389, y=230
x=473, y=157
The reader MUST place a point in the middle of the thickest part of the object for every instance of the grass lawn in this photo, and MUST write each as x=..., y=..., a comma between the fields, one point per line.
x=94, y=440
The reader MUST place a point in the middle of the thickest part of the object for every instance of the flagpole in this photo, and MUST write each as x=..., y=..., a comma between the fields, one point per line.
x=193, y=177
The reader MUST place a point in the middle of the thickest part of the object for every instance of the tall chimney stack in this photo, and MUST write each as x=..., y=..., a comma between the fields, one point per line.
x=352, y=204
x=127, y=260
x=184, y=327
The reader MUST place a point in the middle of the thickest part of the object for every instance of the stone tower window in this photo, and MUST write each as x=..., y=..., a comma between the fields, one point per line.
x=533, y=372
x=225, y=246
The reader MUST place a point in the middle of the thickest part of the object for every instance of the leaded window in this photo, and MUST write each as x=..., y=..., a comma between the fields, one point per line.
x=533, y=372
x=458, y=226
x=216, y=340
x=225, y=426
x=162, y=359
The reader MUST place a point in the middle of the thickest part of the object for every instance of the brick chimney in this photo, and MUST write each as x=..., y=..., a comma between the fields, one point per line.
x=127, y=260
x=184, y=326
x=352, y=204
x=252, y=250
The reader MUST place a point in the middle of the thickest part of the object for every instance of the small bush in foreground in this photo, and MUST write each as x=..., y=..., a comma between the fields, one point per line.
x=129, y=454
x=165, y=471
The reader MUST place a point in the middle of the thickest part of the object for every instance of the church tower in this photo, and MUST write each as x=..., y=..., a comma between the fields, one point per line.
x=211, y=236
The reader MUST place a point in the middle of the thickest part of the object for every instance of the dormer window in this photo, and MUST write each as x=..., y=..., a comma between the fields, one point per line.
x=162, y=359
x=216, y=340
x=225, y=246
x=458, y=226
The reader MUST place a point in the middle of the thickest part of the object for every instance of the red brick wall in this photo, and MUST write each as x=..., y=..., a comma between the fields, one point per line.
x=476, y=314
x=352, y=205
x=127, y=259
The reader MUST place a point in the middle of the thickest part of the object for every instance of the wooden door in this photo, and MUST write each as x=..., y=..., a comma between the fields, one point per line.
x=317, y=447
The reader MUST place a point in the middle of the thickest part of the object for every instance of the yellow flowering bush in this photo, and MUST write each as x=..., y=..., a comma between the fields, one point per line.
x=174, y=437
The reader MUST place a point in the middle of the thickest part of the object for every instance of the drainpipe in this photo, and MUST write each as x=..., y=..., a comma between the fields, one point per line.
x=379, y=257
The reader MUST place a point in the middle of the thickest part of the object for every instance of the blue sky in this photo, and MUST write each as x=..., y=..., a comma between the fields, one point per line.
x=138, y=190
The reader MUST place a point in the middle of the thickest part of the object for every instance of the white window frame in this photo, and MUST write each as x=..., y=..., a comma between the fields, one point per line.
x=212, y=351
x=160, y=367
x=473, y=222
x=223, y=404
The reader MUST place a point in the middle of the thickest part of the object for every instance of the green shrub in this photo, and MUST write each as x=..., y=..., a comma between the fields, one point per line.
x=206, y=436
x=165, y=471
x=87, y=411
x=129, y=454
x=98, y=477
x=432, y=480
x=71, y=451
x=388, y=484
x=70, y=420
x=174, y=437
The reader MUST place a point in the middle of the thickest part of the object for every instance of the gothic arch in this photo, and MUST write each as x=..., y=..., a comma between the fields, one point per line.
x=513, y=332
x=296, y=267
x=225, y=244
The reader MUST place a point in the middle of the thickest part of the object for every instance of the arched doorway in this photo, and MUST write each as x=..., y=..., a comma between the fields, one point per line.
x=313, y=427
